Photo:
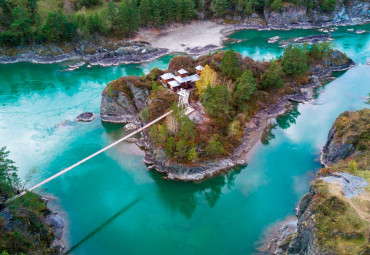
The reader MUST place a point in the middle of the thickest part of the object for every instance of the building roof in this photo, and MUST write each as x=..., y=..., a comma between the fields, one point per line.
x=193, y=78
x=180, y=79
x=199, y=68
x=182, y=71
x=167, y=76
x=173, y=83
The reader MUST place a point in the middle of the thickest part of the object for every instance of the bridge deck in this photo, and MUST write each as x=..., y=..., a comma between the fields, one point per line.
x=187, y=111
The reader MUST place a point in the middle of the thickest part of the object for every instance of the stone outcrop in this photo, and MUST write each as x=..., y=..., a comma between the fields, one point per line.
x=122, y=106
x=331, y=197
x=293, y=14
x=343, y=140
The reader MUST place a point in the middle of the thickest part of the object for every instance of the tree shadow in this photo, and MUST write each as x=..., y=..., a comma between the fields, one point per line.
x=184, y=197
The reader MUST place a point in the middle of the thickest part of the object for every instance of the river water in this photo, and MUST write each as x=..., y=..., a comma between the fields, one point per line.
x=114, y=205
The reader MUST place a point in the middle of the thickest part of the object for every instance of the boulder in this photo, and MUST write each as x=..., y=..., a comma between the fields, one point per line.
x=86, y=117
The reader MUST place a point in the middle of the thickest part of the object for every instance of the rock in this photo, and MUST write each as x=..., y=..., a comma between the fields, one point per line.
x=140, y=96
x=129, y=127
x=54, y=221
x=254, y=15
x=333, y=150
x=86, y=117
x=314, y=39
x=117, y=108
x=351, y=185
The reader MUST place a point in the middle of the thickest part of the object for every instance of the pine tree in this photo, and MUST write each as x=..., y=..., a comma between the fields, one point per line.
x=272, y=77
x=246, y=86
x=230, y=64
x=21, y=27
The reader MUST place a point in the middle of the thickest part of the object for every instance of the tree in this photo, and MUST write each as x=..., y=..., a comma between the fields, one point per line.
x=220, y=7
x=230, y=64
x=187, y=131
x=21, y=27
x=192, y=155
x=276, y=5
x=208, y=77
x=8, y=174
x=216, y=102
x=272, y=77
x=181, y=149
x=170, y=146
x=214, y=147
x=32, y=8
x=127, y=17
x=246, y=86
x=57, y=28
x=328, y=5
x=294, y=60
x=145, y=12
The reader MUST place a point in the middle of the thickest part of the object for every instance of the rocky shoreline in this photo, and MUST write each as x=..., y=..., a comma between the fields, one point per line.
x=54, y=220
x=332, y=191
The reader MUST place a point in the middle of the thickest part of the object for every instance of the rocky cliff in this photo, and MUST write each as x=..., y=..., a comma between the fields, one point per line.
x=344, y=12
x=344, y=139
x=334, y=217
x=122, y=100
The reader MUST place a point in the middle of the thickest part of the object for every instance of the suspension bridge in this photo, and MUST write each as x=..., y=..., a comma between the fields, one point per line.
x=187, y=111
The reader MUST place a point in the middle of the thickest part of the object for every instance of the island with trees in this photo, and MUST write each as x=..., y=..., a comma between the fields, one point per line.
x=234, y=100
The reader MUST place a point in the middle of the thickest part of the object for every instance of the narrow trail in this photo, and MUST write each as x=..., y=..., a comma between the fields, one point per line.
x=187, y=111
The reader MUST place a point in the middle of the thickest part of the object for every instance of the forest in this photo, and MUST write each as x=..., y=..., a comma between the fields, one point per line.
x=25, y=22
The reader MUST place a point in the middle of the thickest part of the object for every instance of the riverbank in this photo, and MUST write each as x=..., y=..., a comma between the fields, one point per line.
x=195, y=38
x=333, y=216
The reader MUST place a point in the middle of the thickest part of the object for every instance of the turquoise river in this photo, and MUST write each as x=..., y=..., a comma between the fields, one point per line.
x=113, y=205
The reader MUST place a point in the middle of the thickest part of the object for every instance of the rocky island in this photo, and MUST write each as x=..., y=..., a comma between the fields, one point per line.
x=232, y=99
x=334, y=217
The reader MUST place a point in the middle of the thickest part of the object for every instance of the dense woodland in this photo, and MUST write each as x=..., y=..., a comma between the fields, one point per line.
x=41, y=21
x=231, y=89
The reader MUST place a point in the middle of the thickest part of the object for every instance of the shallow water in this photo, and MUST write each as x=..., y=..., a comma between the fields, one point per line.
x=114, y=205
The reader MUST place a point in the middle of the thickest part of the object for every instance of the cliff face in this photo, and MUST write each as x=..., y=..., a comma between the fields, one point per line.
x=343, y=139
x=122, y=101
x=344, y=12
x=334, y=217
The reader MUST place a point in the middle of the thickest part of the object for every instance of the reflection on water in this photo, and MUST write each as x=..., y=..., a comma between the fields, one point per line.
x=186, y=196
x=289, y=118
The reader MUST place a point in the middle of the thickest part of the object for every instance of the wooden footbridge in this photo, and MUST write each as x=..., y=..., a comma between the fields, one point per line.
x=188, y=110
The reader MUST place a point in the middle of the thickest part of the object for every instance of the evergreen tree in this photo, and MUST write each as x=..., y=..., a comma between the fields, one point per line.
x=230, y=64
x=294, y=60
x=272, y=77
x=220, y=7
x=216, y=102
x=246, y=86
x=193, y=155
x=214, y=148
x=181, y=149
x=276, y=5
x=21, y=27
x=170, y=146
x=328, y=5
x=32, y=8
x=145, y=12
x=57, y=28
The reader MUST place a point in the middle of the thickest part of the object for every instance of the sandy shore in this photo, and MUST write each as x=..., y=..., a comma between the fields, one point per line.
x=184, y=38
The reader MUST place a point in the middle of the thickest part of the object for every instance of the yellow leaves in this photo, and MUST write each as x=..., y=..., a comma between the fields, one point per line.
x=208, y=77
